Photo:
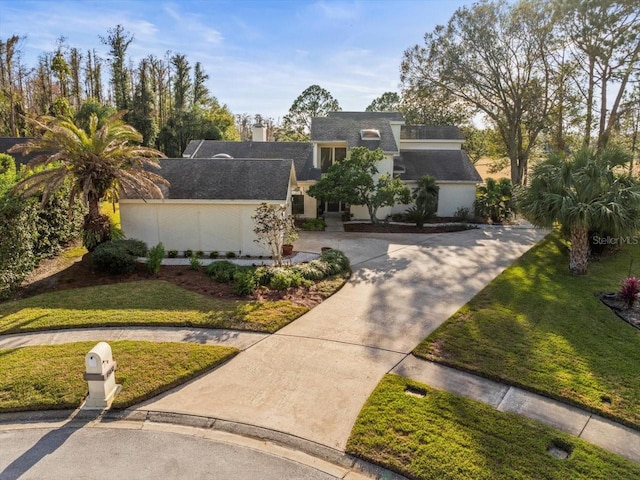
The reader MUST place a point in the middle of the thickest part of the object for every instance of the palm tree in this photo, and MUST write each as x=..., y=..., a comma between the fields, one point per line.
x=425, y=196
x=99, y=163
x=587, y=192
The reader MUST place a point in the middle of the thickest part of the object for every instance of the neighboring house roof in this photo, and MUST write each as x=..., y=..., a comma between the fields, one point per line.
x=389, y=116
x=300, y=152
x=7, y=142
x=346, y=127
x=444, y=165
x=226, y=179
x=430, y=132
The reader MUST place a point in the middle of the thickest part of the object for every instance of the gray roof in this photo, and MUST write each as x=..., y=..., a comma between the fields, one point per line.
x=444, y=165
x=226, y=179
x=300, y=152
x=390, y=116
x=430, y=132
x=7, y=142
x=346, y=126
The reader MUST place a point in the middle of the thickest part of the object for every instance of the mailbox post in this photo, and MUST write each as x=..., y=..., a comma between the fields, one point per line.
x=100, y=375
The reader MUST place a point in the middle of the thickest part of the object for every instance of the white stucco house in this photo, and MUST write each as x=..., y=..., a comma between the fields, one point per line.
x=209, y=204
x=217, y=185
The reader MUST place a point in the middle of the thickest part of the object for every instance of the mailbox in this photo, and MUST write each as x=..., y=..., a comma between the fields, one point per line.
x=100, y=375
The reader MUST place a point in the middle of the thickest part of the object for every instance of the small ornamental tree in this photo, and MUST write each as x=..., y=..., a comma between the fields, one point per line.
x=352, y=181
x=274, y=227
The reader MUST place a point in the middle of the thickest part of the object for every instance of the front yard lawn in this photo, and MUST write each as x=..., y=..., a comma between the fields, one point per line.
x=540, y=327
x=142, y=303
x=443, y=436
x=50, y=377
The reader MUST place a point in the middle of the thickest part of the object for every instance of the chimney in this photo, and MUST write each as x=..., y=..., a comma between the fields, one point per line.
x=259, y=133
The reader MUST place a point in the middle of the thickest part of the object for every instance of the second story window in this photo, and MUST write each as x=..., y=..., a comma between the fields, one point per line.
x=330, y=155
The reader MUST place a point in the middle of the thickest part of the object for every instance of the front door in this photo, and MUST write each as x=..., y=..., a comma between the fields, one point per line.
x=335, y=207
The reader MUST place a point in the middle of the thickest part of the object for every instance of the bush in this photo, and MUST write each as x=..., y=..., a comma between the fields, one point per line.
x=17, y=233
x=222, y=271
x=154, y=258
x=188, y=253
x=629, y=291
x=280, y=281
x=194, y=263
x=337, y=261
x=245, y=282
x=172, y=253
x=230, y=254
x=494, y=200
x=462, y=214
x=113, y=257
x=214, y=254
x=314, y=225
x=199, y=254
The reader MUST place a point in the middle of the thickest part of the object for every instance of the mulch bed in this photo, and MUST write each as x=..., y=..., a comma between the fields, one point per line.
x=55, y=275
x=402, y=228
x=629, y=315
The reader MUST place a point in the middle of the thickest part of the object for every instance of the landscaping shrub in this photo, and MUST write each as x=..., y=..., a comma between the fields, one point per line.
x=494, y=200
x=337, y=261
x=194, y=263
x=214, y=254
x=263, y=276
x=222, y=271
x=17, y=233
x=314, y=225
x=199, y=254
x=154, y=258
x=280, y=281
x=188, y=253
x=629, y=291
x=172, y=253
x=137, y=248
x=113, y=257
x=230, y=254
x=462, y=214
x=245, y=282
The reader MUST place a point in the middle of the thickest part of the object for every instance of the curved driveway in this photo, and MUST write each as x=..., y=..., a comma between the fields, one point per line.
x=311, y=378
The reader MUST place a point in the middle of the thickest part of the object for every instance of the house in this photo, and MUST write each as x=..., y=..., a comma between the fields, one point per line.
x=409, y=152
x=209, y=204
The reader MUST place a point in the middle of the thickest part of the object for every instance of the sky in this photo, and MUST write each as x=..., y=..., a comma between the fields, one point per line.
x=259, y=54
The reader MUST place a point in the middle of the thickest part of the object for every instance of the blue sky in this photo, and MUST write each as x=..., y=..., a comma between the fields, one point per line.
x=260, y=55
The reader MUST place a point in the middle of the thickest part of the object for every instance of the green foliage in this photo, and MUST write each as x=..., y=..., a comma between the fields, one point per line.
x=230, y=254
x=387, y=102
x=314, y=101
x=92, y=107
x=172, y=253
x=274, y=227
x=352, y=181
x=194, y=263
x=118, y=256
x=314, y=225
x=8, y=176
x=154, y=258
x=199, y=253
x=494, y=200
x=245, y=282
x=188, y=253
x=425, y=196
x=282, y=279
x=222, y=271
x=214, y=254
x=462, y=214
x=17, y=236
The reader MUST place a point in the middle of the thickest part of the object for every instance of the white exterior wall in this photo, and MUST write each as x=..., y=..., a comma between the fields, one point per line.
x=452, y=195
x=193, y=225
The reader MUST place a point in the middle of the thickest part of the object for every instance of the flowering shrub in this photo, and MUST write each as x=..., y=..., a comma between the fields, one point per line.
x=629, y=291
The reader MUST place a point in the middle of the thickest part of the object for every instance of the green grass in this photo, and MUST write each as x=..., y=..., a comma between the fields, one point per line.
x=443, y=436
x=146, y=303
x=539, y=327
x=50, y=377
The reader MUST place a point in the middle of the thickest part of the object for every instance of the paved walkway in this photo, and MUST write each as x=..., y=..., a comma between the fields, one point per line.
x=311, y=378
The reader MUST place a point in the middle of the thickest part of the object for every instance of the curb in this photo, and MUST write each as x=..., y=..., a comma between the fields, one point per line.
x=293, y=442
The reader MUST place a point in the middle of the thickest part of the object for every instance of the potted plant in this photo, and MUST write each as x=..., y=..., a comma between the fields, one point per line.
x=287, y=246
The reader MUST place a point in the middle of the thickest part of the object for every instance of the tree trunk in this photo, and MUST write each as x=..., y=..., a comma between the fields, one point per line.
x=579, y=253
x=97, y=227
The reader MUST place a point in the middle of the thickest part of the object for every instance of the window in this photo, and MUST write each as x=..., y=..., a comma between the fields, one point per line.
x=370, y=134
x=330, y=155
x=297, y=204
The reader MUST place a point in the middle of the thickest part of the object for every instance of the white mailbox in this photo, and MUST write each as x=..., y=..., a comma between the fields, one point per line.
x=100, y=375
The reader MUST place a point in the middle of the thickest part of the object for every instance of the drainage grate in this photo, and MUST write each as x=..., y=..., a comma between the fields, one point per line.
x=415, y=392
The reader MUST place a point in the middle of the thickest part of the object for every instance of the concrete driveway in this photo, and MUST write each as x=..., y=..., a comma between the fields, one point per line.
x=311, y=378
